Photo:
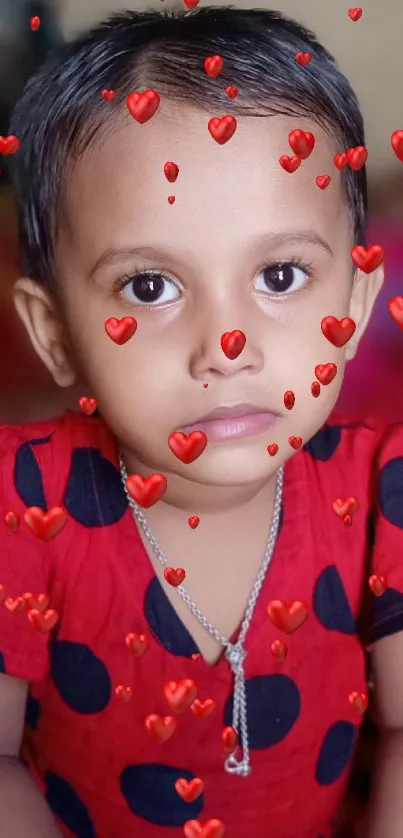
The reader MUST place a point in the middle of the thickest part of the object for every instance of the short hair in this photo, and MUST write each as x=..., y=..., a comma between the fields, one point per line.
x=61, y=112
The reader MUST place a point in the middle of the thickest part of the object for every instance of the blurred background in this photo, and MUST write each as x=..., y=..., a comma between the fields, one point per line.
x=368, y=52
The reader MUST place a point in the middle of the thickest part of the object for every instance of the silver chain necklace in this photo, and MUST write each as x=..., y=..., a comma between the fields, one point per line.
x=234, y=652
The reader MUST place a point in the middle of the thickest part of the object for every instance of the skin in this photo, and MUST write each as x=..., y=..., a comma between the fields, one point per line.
x=230, y=201
x=227, y=199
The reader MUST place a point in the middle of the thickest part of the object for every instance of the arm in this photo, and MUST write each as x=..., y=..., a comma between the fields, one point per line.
x=385, y=815
x=24, y=813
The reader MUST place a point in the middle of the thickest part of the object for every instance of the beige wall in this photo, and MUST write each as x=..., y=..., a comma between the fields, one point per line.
x=369, y=52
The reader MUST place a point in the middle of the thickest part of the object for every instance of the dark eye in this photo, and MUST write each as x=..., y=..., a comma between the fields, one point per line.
x=281, y=278
x=150, y=289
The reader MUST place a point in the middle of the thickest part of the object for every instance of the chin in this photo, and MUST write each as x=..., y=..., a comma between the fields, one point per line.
x=238, y=464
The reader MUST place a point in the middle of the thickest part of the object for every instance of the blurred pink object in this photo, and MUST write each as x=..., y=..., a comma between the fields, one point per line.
x=373, y=384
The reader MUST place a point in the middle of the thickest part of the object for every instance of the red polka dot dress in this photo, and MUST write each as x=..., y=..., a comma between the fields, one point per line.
x=124, y=718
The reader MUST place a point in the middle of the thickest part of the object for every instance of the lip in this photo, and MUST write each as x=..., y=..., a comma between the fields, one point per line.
x=236, y=422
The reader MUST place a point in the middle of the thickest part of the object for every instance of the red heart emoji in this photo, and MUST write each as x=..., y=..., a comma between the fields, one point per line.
x=120, y=331
x=232, y=343
x=325, y=373
x=189, y=790
x=303, y=58
x=180, y=694
x=231, y=91
x=340, y=161
x=9, y=145
x=171, y=199
x=213, y=65
x=187, y=448
x=35, y=23
x=45, y=525
x=295, y=442
x=323, y=181
x=137, y=643
x=290, y=164
x=289, y=399
x=160, y=728
x=196, y=656
x=354, y=14
x=12, y=520
x=15, y=605
x=174, y=576
x=315, y=389
x=191, y=4
x=45, y=621
x=222, y=129
x=338, y=332
x=146, y=491
x=357, y=157
x=193, y=521
x=272, y=449
x=229, y=739
x=397, y=144
x=213, y=828
x=395, y=306
x=88, y=405
x=39, y=602
x=202, y=709
x=301, y=142
x=368, y=259
x=279, y=650
x=108, y=95
x=125, y=693
x=143, y=106
x=378, y=584
x=359, y=701
x=171, y=171
x=345, y=507
x=287, y=618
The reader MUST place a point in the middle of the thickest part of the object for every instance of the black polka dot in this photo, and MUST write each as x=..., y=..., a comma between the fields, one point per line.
x=32, y=712
x=387, y=614
x=390, y=489
x=2, y=664
x=165, y=624
x=149, y=791
x=274, y=704
x=66, y=804
x=330, y=603
x=336, y=752
x=27, y=474
x=94, y=496
x=323, y=445
x=81, y=678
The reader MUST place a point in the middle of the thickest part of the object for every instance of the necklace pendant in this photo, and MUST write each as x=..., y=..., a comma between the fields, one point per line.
x=233, y=766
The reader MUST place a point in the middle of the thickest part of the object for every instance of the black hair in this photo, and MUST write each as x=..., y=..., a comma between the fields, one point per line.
x=61, y=112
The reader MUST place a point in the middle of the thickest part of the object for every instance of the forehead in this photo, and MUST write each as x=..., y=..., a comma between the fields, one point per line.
x=223, y=193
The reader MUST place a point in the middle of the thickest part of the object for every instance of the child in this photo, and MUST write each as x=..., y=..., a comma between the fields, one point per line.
x=183, y=572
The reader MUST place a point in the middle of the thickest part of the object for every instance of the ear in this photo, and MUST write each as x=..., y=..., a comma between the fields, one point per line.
x=366, y=288
x=39, y=314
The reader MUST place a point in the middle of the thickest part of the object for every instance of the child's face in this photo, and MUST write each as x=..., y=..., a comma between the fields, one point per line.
x=236, y=210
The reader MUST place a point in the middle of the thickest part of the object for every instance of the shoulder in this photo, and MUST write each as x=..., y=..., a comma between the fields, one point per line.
x=355, y=447
x=35, y=458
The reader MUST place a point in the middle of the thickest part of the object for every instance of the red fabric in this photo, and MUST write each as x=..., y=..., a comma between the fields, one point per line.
x=97, y=577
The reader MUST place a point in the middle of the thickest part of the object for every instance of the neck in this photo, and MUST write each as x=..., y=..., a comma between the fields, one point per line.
x=183, y=496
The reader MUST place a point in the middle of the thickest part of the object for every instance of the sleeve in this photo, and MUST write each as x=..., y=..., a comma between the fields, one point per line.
x=24, y=560
x=387, y=559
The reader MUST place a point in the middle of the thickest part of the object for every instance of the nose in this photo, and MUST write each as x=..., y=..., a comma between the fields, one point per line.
x=209, y=360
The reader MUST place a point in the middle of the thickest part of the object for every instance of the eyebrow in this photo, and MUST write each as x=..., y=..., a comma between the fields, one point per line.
x=273, y=240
